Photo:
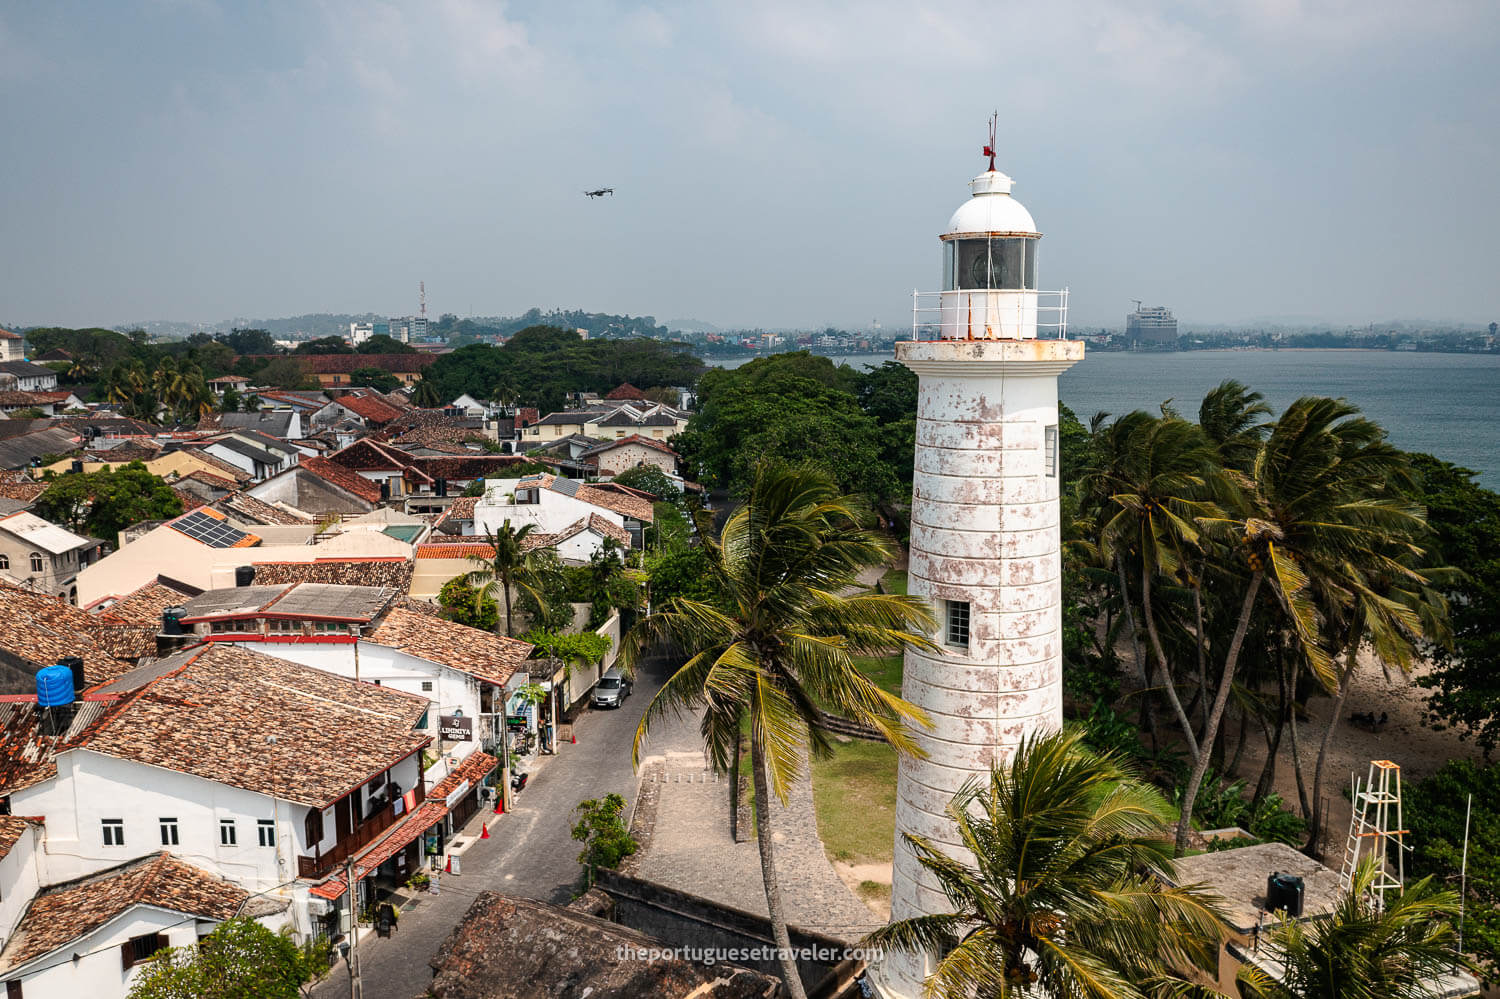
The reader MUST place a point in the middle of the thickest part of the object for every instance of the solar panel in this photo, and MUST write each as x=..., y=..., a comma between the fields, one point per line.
x=212, y=532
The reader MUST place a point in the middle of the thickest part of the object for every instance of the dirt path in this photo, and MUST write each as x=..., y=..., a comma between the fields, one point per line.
x=1404, y=740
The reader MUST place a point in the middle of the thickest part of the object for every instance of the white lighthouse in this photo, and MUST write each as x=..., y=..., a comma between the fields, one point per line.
x=985, y=547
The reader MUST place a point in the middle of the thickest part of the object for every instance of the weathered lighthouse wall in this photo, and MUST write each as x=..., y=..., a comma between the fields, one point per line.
x=985, y=533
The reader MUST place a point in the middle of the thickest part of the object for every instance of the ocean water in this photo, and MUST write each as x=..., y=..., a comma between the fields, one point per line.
x=1443, y=404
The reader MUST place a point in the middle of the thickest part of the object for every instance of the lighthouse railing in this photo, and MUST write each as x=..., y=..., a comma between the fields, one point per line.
x=988, y=315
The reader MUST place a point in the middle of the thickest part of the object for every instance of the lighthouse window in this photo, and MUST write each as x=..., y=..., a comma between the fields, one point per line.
x=995, y=263
x=1049, y=445
x=957, y=616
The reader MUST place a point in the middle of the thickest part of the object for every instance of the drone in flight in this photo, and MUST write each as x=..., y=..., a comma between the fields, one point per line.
x=599, y=193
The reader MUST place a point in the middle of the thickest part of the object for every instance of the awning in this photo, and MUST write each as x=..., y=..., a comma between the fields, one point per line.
x=475, y=768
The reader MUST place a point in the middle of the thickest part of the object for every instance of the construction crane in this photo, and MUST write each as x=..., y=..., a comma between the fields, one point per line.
x=422, y=297
x=1137, y=302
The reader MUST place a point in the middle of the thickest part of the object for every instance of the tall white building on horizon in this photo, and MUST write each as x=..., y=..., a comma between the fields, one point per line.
x=985, y=543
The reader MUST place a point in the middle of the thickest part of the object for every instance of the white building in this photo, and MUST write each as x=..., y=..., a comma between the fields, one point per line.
x=253, y=769
x=556, y=505
x=985, y=546
x=360, y=332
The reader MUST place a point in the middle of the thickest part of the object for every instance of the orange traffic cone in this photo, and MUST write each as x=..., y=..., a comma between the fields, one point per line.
x=448, y=869
x=575, y=738
x=484, y=830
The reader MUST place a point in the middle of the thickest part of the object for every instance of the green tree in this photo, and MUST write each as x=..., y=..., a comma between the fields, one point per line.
x=382, y=343
x=28, y=413
x=229, y=402
x=1394, y=951
x=249, y=341
x=1437, y=810
x=602, y=831
x=1465, y=677
x=1065, y=894
x=324, y=345
x=651, y=479
x=378, y=379
x=788, y=406
x=462, y=603
x=102, y=503
x=516, y=565
x=426, y=396
x=240, y=959
x=286, y=373
x=778, y=640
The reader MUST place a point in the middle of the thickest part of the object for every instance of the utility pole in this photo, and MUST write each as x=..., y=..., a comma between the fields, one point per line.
x=356, y=987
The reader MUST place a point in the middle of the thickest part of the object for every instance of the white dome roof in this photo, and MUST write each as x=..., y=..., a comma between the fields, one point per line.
x=991, y=209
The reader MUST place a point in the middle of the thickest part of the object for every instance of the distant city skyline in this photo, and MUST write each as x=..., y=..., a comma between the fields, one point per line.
x=775, y=164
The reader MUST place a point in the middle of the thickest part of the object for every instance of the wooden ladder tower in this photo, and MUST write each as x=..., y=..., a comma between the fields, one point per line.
x=1376, y=830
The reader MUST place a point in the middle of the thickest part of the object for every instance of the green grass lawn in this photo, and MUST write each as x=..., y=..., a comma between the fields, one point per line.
x=894, y=581
x=854, y=792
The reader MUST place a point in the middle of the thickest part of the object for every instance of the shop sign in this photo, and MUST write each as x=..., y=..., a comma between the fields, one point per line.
x=455, y=728
x=456, y=795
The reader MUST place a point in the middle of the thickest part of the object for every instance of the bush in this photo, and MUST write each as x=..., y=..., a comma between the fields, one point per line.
x=603, y=833
x=464, y=604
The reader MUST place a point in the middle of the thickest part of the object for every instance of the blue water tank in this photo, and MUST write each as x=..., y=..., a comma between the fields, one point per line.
x=54, y=686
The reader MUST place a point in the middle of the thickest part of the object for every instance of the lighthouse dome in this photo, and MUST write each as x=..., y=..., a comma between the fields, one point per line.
x=991, y=210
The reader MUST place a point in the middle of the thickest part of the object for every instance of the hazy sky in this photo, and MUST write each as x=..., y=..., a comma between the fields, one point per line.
x=775, y=163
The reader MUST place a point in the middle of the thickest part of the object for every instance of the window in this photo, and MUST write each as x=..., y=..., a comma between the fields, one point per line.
x=1008, y=263
x=281, y=626
x=957, y=624
x=426, y=686
x=4, y=561
x=168, y=832
x=227, y=835
x=266, y=830
x=221, y=627
x=114, y=832
x=1049, y=446
x=13, y=989
x=36, y=562
x=314, y=827
x=141, y=948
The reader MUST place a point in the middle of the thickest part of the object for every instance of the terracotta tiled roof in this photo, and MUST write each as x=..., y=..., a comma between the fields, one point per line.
x=344, y=364
x=221, y=466
x=28, y=746
x=478, y=653
x=22, y=491
x=369, y=408
x=190, y=500
x=237, y=717
x=342, y=477
x=391, y=571
x=475, y=768
x=63, y=913
x=8, y=335
x=369, y=456
x=144, y=606
x=622, y=503
x=252, y=511
x=609, y=529
x=460, y=509
x=210, y=479
x=625, y=391
x=12, y=828
x=466, y=549
x=464, y=467
x=507, y=946
x=655, y=445
x=41, y=630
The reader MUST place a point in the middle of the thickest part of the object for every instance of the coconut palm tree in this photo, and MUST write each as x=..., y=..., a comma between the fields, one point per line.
x=1152, y=489
x=777, y=644
x=1065, y=893
x=1398, y=950
x=515, y=566
x=1314, y=516
x=425, y=396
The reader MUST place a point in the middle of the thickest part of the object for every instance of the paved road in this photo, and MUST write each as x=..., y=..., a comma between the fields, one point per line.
x=530, y=851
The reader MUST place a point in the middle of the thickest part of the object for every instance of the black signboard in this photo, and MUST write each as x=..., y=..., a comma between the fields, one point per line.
x=456, y=728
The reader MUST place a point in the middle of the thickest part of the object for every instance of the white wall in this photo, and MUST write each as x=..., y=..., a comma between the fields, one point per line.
x=101, y=974
x=551, y=514
x=21, y=872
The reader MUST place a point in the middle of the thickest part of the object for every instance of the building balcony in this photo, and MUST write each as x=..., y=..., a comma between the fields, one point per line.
x=322, y=863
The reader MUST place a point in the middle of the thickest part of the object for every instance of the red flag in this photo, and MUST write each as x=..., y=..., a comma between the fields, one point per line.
x=988, y=151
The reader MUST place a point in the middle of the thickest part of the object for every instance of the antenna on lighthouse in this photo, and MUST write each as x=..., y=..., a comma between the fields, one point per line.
x=989, y=150
x=422, y=295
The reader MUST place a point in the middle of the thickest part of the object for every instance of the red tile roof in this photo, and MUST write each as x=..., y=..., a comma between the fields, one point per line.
x=384, y=570
x=144, y=606
x=338, y=475
x=344, y=364
x=625, y=391
x=64, y=913
x=42, y=630
x=12, y=828
x=489, y=657
x=240, y=718
x=369, y=408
